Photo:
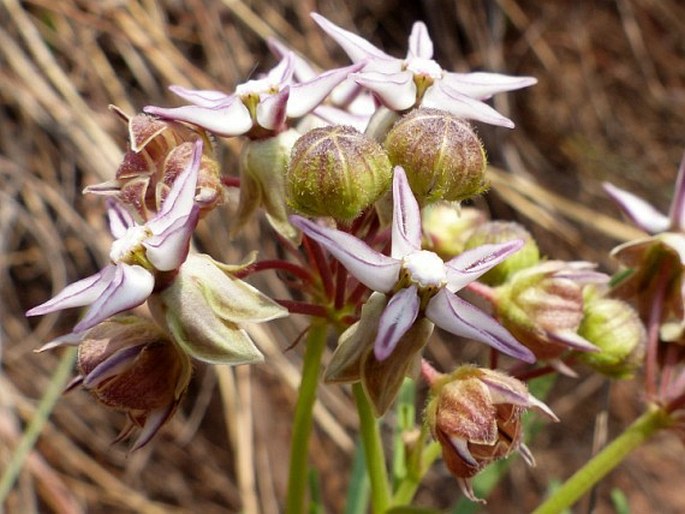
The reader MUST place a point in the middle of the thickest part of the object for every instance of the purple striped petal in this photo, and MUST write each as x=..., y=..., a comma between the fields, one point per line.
x=271, y=111
x=441, y=96
x=471, y=264
x=356, y=47
x=116, y=363
x=398, y=317
x=119, y=219
x=304, y=97
x=228, y=120
x=459, y=317
x=406, y=217
x=641, y=213
x=129, y=287
x=373, y=269
x=78, y=294
x=203, y=97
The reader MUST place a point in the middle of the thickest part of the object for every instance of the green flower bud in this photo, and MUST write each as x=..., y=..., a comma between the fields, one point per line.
x=337, y=172
x=441, y=154
x=263, y=163
x=447, y=226
x=615, y=328
x=542, y=307
x=501, y=232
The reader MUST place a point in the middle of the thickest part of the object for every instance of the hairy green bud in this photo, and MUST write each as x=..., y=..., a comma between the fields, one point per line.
x=336, y=172
x=441, y=154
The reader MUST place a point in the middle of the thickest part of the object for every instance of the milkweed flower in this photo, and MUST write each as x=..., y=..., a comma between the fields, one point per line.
x=258, y=108
x=418, y=282
x=140, y=256
x=401, y=84
x=655, y=262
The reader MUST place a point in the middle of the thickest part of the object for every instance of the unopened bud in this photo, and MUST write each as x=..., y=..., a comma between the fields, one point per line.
x=494, y=232
x=615, y=328
x=447, y=226
x=337, y=172
x=441, y=154
x=158, y=151
x=475, y=415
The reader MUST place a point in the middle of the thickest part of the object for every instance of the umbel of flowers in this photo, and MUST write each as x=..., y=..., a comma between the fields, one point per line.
x=381, y=253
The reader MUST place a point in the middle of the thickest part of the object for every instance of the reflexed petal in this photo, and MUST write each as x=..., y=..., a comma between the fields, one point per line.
x=70, y=339
x=168, y=250
x=471, y=264
x=441, y=96
x=282, y=73
x=356, y=47
x=302, y=70
x=373, y=269
x=399, y=315
x=677, y=212
x=483, y=85
x=203, y=97
x=129, y=287
x=459, y=317
x=153, y=422
x=116, y=363
x=420, y=44
x=306, y=96
x=406, y=217
x=637, y=210
x=572, y=340
x=180, y=201
x=119, y=219
x=228, y=120
x=397, y=91
x=271, y=112
x=78, y=294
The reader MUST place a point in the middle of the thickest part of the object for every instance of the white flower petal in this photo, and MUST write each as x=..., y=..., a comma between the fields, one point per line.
x=482, y=85
x=119, y=219
x=130, y=286
x=271, y=111
x=397, y=91
x=302, y=71
x=441, y=96
x=420, y=44
x=471, y=264
x=282, y=73
x=406, y=217
x=227, y=120
x=168, y=250
x=373, y=269
x=78, y=294
x=637, y=210
x=459, y=317
x=203, y=97
x=356, y=47
x=398, y=317
x=306, y=96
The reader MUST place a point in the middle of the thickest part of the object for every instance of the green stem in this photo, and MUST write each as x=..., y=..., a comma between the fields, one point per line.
x=410, y=483
x=302, y=423
x=373, y=450
x=40, y=418
x=606, y=460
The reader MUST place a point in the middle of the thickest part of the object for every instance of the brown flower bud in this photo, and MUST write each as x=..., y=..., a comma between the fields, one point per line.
x=129, y=364
x=158, y=151
x=336, y=171
x=475, y=415
x=441, y=154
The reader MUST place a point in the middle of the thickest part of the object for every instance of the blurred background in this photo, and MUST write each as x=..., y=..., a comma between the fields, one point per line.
x=609, y=105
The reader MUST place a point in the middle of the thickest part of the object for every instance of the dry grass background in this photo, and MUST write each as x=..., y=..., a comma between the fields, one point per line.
x=610, y=105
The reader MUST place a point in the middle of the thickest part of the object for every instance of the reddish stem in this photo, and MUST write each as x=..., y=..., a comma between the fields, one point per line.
x=317, y=257
x=652, y=357
x=428, y=373
x=230, y=181
x=304, y=308
x=276, y=264
x=482, y=290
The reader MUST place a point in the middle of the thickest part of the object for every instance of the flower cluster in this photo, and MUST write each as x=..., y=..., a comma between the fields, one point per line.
x=378, y=249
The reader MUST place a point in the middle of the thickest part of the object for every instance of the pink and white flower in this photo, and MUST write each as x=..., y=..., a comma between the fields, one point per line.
x=419, y=282
x=137, y=255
